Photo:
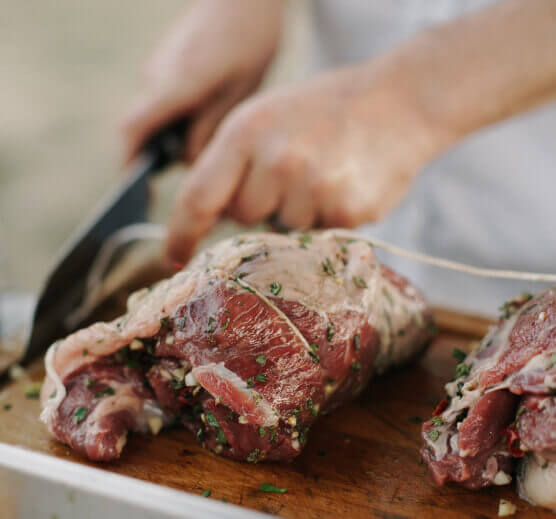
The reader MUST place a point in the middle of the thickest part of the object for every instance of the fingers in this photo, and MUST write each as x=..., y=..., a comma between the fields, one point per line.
x=205, y=192
x=258, y=196
x=299, y=203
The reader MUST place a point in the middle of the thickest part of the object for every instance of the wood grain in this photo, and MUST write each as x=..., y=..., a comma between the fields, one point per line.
x=361, y=461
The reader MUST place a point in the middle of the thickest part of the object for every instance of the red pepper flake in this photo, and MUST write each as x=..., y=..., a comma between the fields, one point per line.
x=186, y=395
x=513, y=442
x=441, y=407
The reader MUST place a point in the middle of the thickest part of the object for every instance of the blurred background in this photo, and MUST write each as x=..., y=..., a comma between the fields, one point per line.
x=69, y=70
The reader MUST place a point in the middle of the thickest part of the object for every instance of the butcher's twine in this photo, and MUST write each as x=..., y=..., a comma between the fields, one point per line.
x=144, y=231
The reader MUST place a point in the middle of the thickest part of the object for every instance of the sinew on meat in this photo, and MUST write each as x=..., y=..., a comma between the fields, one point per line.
x=245, y=347
x=501, y=407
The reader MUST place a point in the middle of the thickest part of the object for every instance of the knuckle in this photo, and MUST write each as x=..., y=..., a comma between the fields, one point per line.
x=290, y=165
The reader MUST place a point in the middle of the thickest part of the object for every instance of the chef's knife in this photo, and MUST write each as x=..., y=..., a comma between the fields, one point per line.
x=64, y=289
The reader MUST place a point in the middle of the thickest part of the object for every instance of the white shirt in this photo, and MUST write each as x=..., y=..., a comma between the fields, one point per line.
x=489, y=202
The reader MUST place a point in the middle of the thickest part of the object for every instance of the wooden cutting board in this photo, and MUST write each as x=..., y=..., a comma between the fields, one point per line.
x=361, y=461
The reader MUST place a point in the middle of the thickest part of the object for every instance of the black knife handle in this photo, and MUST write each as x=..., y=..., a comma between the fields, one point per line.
x=167, y=145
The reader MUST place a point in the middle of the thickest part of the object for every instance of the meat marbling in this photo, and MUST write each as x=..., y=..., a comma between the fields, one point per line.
x=245, y=347
x=501, y=407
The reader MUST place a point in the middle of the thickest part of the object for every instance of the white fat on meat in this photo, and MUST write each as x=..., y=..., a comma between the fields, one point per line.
x=248, y=403
x=355, y=283
x=537, y=481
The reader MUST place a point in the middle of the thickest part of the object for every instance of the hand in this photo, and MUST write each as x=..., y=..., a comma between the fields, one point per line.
x=338, y=151
x=213, y=58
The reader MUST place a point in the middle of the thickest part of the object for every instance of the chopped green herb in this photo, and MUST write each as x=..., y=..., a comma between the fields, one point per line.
x=462, y=370
x=250, y=382
x=314, y=346
x=245, y=259
x=33, y=390
x=224, y=500
x=79, y=415
x=437, y=420
x=179, y=323
x=261, y=378
x=273, y=433
x=261, y=359
x=315, y=357
x=211, y=325
x=459, y=355
x=7, y=407
x=178, y=384
x=221, y=437
x=433, y=434
x=302, y=439
x=308, y=404
x=356, y=366
x=329, y=331
x=200, y=434
x=253, y=456
x=211, y=419
x=275, y=288
x=356, y=341
x=164, y=321
x=85, y=352
x=89, y=382
x=107, y=391
x=509, y=307
x=344, y=250
x=328, y=267
x=267, y=487
x=520, y=411
x=206, y=493
x=314, y=410
x=226, y=324
x=359, y=282
x=262, y=432
x=304, y=240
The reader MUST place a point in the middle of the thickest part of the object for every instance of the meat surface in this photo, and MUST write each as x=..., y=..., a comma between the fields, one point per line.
x=245, y=347
x=501, y=407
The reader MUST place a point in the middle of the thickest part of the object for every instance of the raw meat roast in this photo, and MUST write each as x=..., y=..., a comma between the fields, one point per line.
x=245, y=347
x=501, y=407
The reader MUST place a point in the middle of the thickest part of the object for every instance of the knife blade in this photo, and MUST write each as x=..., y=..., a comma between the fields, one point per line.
x=64, y=288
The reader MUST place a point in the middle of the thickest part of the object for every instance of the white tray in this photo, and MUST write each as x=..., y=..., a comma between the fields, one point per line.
x=37, y=486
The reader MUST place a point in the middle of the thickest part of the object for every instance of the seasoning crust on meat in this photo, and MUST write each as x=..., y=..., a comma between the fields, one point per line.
x=500, y=409
x=246, y=347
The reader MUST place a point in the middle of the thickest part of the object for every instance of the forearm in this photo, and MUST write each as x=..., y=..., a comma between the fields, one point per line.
x=482, y=68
